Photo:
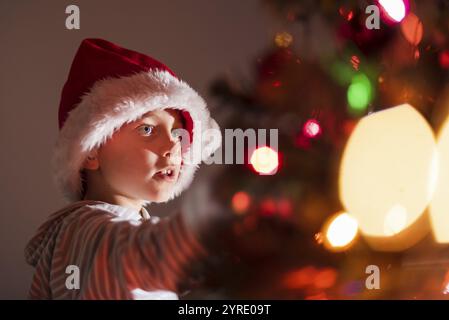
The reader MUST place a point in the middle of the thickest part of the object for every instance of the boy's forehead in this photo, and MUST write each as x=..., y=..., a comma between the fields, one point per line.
x=163, y=113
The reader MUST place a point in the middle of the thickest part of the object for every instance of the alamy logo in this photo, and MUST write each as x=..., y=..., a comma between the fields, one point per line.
x=234, y=146
x=373, y=280
x=373, y=20
x=72, y=282
x=73, y=20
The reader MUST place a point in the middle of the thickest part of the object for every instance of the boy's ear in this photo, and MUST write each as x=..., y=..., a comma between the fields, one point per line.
x=91, y=162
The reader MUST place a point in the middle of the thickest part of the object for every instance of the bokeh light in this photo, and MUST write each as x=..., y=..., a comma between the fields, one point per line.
x=395, y=9
x=439, y=207
x=267, y=207
x=284, y=208
x=444, y=59
x=388, y=170
x=360, y=93
x=312, y=128
x=325, y=278
x=240, y=202
x=277, y=84
x=340, y=231
x=283, y=39
x=412, y=29
x=300, y=278
x=265, y=160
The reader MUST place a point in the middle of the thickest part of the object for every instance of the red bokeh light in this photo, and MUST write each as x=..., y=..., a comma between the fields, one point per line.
x=240, y=202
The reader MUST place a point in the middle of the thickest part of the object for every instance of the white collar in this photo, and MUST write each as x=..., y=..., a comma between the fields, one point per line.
x=123, y=213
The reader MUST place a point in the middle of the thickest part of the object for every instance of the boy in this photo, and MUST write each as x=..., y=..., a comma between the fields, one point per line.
x=119, y=149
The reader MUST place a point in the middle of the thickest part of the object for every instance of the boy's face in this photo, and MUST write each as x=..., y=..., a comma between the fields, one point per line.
x=142, y=160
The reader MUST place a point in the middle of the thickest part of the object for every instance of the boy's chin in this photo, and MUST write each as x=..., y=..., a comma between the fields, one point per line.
x=158, y=193
x=159, y=197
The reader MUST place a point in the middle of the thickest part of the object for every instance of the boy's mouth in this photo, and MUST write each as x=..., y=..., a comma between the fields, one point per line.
x=166, y=174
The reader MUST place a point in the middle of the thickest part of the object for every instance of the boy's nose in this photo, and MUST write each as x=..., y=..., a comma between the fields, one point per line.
x=170, y=148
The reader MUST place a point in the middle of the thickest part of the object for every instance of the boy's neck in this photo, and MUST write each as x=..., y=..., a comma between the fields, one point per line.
x=98, y=190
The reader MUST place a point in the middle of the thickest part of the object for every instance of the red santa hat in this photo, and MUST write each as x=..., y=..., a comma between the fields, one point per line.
x=109, y=86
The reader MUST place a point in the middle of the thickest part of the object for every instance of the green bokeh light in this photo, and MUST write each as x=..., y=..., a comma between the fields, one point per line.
x=360, y=93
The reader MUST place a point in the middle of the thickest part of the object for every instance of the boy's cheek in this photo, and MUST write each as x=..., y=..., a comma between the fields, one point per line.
x=142, y=163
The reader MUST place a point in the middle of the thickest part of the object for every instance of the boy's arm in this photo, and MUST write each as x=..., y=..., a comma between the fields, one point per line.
x=119, y=256
x=163, y=255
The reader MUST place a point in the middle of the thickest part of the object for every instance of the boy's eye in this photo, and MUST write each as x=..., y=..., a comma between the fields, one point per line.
x=145, y=130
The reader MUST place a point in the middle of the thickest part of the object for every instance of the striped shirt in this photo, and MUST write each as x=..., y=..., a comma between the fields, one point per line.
x=96, y=250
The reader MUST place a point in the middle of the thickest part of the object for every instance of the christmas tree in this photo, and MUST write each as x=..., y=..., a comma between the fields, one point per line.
x=323, y=73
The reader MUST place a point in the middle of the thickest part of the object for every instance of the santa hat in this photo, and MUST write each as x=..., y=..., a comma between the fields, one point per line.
x=109, y=86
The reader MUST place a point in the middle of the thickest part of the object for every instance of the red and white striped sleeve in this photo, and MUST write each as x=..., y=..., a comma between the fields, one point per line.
x=116, y=257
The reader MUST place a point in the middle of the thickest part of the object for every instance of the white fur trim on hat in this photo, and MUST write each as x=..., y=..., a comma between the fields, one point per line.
x=113, y=102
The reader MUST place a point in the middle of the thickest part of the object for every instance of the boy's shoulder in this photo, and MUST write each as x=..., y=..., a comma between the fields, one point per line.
x=81, y=217
x=77, y=215
x=76, y=211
